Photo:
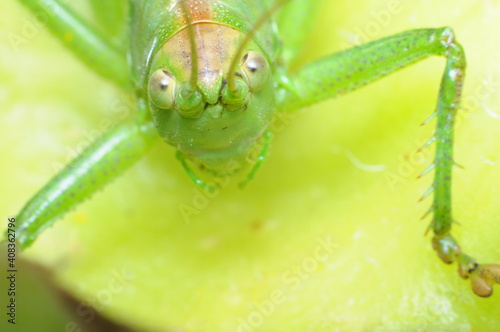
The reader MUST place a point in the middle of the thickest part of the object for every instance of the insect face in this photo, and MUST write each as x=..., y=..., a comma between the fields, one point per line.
x=208, y=121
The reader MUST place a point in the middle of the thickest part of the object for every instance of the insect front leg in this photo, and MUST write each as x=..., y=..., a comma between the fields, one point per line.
x=111, y=17
x=96, y=166
x=289, y=18
x=87, y=43
x=340, y=73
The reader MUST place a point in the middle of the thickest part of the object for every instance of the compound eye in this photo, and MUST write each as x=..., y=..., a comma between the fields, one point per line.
x=256, y=70
x=161, y=89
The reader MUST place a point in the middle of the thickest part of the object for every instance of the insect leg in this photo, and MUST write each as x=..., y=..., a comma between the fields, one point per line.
x=260, y=158
x=294, y=27
x=112, y=17
x=192, y=175
x=342, y=72
x=87, y=43
x=97, y=165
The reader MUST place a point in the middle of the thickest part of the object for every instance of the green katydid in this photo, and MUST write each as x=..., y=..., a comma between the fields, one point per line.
x=216, y=111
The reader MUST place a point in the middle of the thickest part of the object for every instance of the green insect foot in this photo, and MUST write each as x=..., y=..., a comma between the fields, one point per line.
x=483, y=276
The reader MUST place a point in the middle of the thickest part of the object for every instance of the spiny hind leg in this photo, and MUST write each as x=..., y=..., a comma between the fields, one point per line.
x=348, y=70
x=482, y=276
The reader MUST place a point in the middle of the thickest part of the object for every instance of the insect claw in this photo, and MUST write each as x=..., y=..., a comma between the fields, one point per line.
x=458, y=165
x=483, y=278
x=427, y=170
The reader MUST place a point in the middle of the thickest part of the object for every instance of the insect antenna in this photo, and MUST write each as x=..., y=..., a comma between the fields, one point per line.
x=194, y=55
x=231, y=81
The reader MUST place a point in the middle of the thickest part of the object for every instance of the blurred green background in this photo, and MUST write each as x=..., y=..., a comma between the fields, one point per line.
x=342, y=172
